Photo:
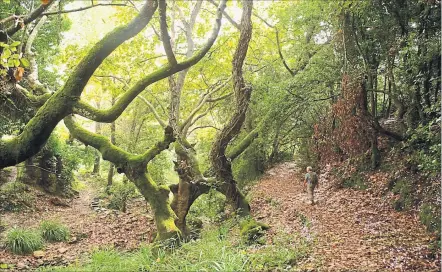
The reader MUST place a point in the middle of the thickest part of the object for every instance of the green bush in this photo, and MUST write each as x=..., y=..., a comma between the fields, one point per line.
x=54, y=231
x=285, y=252
x=403, y=188
x=23, y=241
x=120, y=193
x=14, y=196
x=430, y=217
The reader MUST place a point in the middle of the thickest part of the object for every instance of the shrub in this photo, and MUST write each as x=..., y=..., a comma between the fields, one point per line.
x=14, y=196
x=404, y=189
x=54, y=231
x=119, y=194
x=23, y=241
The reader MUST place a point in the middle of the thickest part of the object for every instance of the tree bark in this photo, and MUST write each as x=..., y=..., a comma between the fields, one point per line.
x=220, y=163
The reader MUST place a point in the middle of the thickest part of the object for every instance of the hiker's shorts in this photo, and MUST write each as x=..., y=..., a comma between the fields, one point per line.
x=310, y=191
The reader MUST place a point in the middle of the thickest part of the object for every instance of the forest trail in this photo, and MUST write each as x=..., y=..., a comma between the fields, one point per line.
x=352, y=230
x=90, y=229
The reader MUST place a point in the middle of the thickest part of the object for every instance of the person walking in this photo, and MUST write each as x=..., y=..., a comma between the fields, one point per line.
x=311, y=182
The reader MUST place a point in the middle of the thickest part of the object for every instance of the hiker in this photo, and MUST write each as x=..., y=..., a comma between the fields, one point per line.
x=311, y=182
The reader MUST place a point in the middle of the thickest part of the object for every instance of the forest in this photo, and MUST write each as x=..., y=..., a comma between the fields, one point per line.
x=220, y=135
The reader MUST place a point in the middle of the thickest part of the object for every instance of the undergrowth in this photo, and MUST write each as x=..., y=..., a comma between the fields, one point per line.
x=213, y=252
x=23, y=241
x=54, y=231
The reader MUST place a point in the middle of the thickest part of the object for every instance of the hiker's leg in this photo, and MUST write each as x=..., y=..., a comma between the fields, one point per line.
x=310, y=193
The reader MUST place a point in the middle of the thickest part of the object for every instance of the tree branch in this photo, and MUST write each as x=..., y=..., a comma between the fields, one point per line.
x=85, y=8
x=235, y=24
x=61, y=103
x=155, y=113
x=165, y=38
x=110, y=114
x=28, y=19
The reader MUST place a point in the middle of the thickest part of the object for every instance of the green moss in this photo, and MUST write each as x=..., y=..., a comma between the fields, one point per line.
x=251, y=231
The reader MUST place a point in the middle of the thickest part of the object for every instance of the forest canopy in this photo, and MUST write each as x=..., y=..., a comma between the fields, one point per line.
x=188, y=98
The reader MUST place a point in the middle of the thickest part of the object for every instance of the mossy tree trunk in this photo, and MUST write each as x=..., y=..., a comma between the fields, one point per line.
x=135, y=168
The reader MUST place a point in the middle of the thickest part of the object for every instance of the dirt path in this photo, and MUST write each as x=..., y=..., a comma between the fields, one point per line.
x=353, y=230
x=89, y=229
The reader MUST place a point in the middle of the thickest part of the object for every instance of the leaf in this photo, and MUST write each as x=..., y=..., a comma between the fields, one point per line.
x=25, y=62
x=11, y=62
x=16, y=62
x=18, y=73
x=3, y=266
x=6, y=53
x=15, y=44
x=15, y=56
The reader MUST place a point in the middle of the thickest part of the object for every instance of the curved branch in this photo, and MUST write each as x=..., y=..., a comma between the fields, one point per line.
x=61, y=103
x=85, y=8
x=165, y=38
x=28, y=19
x=155, y=113
x=202, y=103
x=112, y=113
x=109, y=151
x=237, y=150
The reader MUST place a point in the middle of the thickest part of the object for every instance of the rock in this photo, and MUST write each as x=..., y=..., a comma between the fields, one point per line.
x=21, y=265
x=58, y=202
x=38, y=254
x=73, y=240
x=62, y=250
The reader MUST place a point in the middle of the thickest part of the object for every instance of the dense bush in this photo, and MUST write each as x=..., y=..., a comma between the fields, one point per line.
x=120, y=193
x=23, y=241
x=14, y=196
x=54, y=231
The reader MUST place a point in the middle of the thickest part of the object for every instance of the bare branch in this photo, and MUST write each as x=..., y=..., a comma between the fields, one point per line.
x=152, y=108
x=86, y=8
x=165, y=38
x=202, y=102
x=235, y=24
x=201, y=127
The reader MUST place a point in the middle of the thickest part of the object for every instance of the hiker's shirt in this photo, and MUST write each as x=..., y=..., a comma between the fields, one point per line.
x=308, y=177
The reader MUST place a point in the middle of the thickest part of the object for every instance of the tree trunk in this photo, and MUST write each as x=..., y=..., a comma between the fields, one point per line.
x=220, y=163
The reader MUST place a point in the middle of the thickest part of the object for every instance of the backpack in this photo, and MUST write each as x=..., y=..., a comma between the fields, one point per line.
x=314, y=178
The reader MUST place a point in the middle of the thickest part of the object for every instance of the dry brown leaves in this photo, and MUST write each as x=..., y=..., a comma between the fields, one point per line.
x=354, y=230
x=89, y=230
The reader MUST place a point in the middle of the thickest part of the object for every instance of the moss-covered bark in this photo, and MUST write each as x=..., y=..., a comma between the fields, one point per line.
x=60, y=104
x=135, y=168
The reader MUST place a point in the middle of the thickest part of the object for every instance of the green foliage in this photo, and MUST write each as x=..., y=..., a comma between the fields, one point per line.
x=210, y=253
x=403, y=188
x=23, y=241
x=249, y=166
x=120, y=193
x=425, y=147
x=14, y=196
x=284, y=253
x=430, y=217
x=355, y=181
x=210, y=206
x=72, y=157
x=252, y=231
x=54, y=231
